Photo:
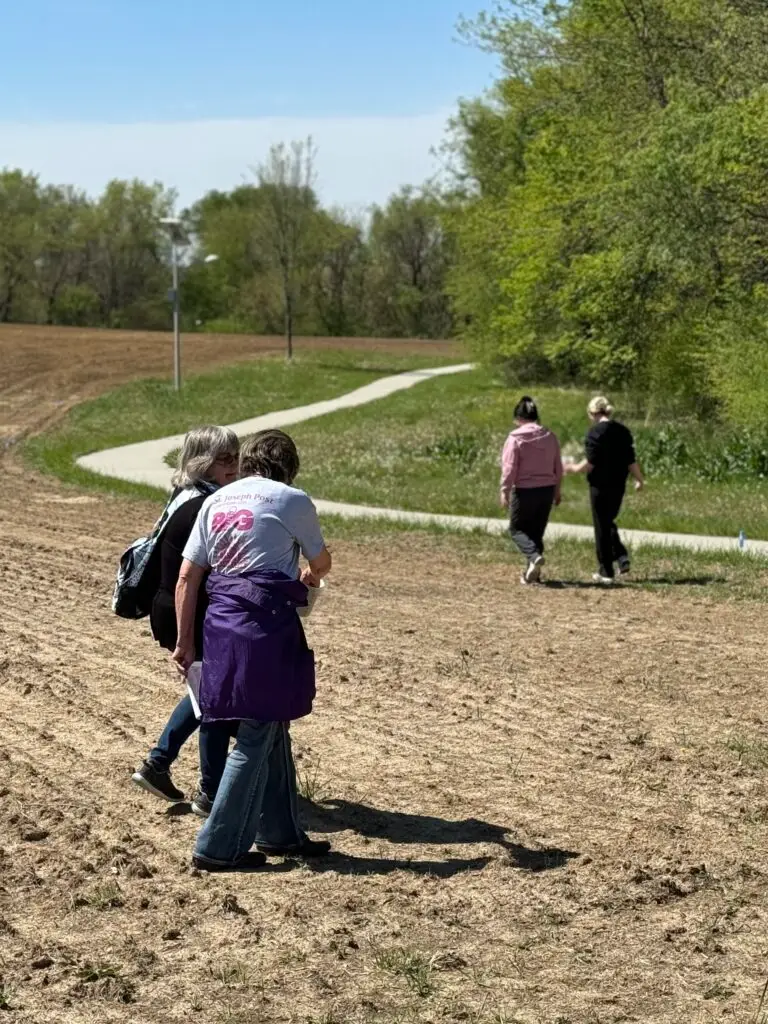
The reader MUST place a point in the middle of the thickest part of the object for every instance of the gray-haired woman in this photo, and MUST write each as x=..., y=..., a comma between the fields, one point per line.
x=207, y=461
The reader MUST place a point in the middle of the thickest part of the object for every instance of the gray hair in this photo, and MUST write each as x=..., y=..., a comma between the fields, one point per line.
x=201, y=447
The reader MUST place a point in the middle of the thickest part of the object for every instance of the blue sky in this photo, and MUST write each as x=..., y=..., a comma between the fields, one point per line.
x=192, y=93
x=138, y=60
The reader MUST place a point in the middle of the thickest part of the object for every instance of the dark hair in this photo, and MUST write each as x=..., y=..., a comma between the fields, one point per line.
x=526, y=410
x=271, y=454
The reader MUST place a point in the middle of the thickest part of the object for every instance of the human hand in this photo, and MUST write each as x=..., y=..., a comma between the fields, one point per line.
x=182, y=658
x=639, y=485
x=504, y=501
x=558, y=499
x=309, y=579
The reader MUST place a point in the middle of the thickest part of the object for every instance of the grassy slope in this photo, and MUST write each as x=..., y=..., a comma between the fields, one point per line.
x=147, y=409
x=433, y=448
x=436, y=449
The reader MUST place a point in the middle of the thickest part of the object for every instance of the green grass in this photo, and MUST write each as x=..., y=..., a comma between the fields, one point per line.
x=147, y=409
x=412, y=967
x=678, y=572
x=436, y=449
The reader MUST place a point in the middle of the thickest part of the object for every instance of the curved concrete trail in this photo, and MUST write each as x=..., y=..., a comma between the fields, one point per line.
x=144, y=463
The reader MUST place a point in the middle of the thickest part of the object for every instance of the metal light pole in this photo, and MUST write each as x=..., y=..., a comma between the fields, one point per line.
x=176, y=318
x=178, y=239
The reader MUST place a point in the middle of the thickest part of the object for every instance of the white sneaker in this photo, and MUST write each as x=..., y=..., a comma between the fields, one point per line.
x=533, y=572
x=604, y=581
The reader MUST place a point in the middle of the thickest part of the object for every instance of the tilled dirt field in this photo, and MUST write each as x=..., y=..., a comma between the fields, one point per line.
x=550, y=811
x=46, y=370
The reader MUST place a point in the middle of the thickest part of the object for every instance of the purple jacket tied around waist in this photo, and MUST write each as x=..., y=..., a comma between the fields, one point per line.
x=256, y=663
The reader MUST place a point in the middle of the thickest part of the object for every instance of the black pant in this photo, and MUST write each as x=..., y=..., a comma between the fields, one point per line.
x=606, y=505
x=529, y=515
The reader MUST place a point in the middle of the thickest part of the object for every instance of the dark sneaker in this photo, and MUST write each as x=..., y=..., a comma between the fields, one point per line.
x=533, y=572
x=604, y=581
x=251, y=861
x=309, y=848
x=202, y=805
x=157, y=783
x=624, y=567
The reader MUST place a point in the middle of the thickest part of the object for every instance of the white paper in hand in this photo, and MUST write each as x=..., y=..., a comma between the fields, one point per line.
x=193, y=686
x=312, y=595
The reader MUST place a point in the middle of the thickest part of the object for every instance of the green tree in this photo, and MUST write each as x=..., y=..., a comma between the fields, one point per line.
x=20, y=238
x=65, y=222
x=128, y=257
x=223, y=223
x=409, y=253
x=613, y=190
x=338, y=289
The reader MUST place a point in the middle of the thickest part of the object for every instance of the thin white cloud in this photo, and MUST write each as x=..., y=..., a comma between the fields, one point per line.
x=360, y=160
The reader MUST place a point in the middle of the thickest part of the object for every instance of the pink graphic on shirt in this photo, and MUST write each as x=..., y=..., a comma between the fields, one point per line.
x=239, y=519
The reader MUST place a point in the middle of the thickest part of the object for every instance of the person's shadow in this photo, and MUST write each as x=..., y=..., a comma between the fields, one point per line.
x=396, y=827
x=634, y=583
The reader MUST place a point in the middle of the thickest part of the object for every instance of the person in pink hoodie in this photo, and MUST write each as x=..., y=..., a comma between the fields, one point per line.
x=531, y=476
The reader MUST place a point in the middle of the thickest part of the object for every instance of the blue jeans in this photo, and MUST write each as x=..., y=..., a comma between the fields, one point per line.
x=257, y=800
x=214, y=745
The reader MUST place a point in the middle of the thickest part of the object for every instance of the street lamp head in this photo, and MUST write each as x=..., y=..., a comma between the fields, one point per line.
x=175, y=229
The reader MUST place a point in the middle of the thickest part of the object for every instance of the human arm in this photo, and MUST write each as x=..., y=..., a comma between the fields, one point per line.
x=558, y=468
x=194, y=566
x=585, y=466
x=509, y=466
x=637, y=474
x=309, y=537
x=317, y=568
x=634, y=468
x=187, y=591
x=591, y=453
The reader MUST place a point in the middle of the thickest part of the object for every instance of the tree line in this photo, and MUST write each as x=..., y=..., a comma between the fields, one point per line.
x=613, y=223
x=285, y=263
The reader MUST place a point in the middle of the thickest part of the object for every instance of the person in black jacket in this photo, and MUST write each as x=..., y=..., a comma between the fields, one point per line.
x=610, y=460
x=208, y=460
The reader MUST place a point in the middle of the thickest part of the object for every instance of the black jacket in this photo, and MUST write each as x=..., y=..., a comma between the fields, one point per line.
x=162, y=617
x=610, y=450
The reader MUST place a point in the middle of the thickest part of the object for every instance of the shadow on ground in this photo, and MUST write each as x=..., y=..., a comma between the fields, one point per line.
x=397, y=827
x=667, y=581
x=346, y=864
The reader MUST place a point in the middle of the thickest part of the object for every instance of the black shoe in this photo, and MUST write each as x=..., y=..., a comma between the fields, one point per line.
x=624, y=567
x=202, y=805
x=309, y=848
x=251, y=861
x=158, y=783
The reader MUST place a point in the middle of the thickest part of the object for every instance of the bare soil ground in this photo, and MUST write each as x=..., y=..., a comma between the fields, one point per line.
x=551, y=812
x=46, y=370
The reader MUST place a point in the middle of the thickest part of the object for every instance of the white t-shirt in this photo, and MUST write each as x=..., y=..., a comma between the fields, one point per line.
x=252, y=524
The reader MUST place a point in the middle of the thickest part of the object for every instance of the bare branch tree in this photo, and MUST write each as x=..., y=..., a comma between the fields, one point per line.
x=286, y=180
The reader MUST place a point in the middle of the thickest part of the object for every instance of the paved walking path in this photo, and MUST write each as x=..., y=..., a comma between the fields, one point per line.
x=144, y=463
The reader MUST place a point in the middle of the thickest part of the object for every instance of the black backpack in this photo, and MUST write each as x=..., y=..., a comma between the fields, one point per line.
x=138, y=575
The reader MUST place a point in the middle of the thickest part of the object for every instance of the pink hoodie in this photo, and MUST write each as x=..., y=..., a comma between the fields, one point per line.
x=531, y=458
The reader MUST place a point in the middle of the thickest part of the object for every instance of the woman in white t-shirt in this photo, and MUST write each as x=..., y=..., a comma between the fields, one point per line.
x=257, y=667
